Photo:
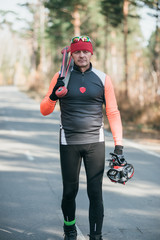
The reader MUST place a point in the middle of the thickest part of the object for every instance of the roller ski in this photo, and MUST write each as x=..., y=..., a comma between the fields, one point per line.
x=120, y=171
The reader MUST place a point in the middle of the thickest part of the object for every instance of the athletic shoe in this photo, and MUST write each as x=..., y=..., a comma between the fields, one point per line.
x=70, y=234
x=96, y=237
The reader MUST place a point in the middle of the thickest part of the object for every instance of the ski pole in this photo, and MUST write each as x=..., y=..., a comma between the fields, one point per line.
x=64, y=61
x=65, y=72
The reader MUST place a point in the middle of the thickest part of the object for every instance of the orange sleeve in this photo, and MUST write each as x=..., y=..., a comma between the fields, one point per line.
x=112, y=112
x=47, y=105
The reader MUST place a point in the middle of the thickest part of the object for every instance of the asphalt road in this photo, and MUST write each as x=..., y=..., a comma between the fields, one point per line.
x=31, y=187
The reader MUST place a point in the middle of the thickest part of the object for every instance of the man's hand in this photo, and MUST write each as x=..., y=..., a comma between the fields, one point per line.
x=118, y=150
x=59, y=83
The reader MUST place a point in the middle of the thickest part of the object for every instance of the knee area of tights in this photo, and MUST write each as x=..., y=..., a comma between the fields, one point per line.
x=95, y=193
x=70, y=192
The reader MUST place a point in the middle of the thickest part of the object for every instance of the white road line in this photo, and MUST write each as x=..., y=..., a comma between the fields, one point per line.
x=142, y=148
x=4, y=230
x=80, y=235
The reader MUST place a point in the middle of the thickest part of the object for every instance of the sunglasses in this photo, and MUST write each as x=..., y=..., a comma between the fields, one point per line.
x=83, y=38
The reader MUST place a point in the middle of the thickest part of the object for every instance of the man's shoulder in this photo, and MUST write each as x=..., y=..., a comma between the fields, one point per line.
x=100, y=74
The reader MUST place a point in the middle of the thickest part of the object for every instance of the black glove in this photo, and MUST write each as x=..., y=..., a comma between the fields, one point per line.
x=119, y=154
x=59, y=83
x=118, y=150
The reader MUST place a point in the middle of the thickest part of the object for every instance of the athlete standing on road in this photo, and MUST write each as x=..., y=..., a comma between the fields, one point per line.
x=82, y=134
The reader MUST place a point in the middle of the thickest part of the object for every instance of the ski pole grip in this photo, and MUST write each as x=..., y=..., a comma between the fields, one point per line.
x=61, y=91
x=66, y=49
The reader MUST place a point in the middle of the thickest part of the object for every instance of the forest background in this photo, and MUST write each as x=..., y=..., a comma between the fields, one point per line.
x=31, y=55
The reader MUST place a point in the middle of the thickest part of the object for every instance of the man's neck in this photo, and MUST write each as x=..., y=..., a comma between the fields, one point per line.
x=84, y=69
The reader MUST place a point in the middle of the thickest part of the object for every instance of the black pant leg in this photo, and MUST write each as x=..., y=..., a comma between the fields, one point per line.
x=94, y=160
x=70, y=167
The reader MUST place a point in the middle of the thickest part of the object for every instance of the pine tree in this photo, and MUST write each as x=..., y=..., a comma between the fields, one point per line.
x=155, y=6
x=64, y=18
x=117, y=13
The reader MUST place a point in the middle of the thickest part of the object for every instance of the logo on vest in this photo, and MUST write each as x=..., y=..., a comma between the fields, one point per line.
x=82, y=89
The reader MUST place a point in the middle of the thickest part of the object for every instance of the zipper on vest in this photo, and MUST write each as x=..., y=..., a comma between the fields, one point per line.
x=82, y=77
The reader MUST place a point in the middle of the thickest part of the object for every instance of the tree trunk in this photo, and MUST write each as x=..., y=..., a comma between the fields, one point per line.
x=76, y=21
x=106, y=32
x=35, y=42
x=156, y=61
x=42, y=64
x=125, y=29
x=113, y=54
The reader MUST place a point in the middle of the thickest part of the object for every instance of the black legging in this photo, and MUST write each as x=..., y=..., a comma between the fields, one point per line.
x=94, y=159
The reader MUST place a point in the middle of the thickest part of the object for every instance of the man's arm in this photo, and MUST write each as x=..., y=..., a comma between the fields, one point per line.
x=47, y=105
x=112, y=112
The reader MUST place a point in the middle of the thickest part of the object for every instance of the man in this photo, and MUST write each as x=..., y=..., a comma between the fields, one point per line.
x=82, y=135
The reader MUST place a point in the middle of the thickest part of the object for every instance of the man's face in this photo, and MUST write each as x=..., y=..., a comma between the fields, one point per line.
x=82, y=58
